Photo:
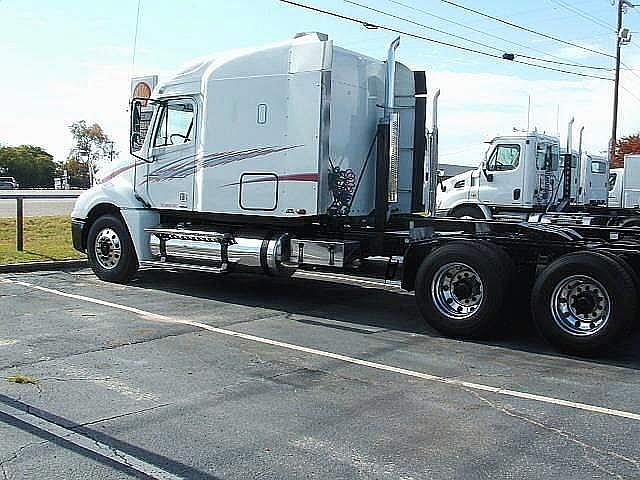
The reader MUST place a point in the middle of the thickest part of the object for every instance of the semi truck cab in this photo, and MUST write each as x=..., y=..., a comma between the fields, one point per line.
x=593, y=180
x=624, y=184
x=518, y=172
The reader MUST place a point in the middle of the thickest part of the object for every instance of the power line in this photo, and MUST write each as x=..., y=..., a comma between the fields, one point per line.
x=404, y=19
x=444, y=19
x=560, y=61
x=630, y=70
x=630, y=92
x=424, y=26
x=526, y=29
x=368, y=24
x=583, y=14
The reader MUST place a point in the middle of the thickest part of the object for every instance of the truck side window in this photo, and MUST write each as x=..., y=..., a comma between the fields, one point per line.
x=598, y=167
x=504, y=158
x=176, y=124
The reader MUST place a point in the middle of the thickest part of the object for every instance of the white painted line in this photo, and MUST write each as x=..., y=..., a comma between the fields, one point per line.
x=90, y=444
x=344, y=358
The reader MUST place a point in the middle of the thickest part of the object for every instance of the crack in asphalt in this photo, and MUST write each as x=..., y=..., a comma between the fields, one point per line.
x=122, y=415
x=15, y=455
x=95, y=350
x=566, y=435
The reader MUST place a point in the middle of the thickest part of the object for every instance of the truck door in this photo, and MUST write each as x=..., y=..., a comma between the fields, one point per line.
x=616, y=176
x=170, y=174
x=598, y=177
x=500, y=183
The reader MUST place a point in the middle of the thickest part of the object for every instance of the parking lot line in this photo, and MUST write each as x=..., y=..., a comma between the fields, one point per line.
x=52, y=431
x=344, y=358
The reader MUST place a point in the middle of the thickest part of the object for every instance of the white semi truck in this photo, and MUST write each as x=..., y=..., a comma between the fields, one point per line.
x=525, y=174
x=624, y=184
x=306, y=155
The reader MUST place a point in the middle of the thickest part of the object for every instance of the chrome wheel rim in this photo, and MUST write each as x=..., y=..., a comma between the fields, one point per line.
x=457, y=290
x=108, y=248
x=580, y=305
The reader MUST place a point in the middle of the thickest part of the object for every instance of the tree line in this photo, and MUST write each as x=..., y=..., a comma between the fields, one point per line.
x=34, y=167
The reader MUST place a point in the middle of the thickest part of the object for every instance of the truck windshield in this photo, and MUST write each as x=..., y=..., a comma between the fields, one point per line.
x=547, y=156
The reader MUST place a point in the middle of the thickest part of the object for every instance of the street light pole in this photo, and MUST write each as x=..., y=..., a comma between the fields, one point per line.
x=616, y=87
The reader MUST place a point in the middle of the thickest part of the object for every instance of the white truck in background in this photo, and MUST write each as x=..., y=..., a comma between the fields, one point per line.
x=593, y=181
x=523, y=177
x=624, y=184
x=520, y=174
x=304, y=155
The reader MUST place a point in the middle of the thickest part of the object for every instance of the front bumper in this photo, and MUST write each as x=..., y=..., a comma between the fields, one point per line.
x=77, y=234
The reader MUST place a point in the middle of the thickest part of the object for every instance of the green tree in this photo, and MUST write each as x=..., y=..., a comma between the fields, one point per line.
x=90, y=139
x=78, y=172
x=91, y=145
x=31, y=166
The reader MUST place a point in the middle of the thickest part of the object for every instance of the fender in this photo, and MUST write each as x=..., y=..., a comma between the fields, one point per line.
x=486, y=211
x=117, y=195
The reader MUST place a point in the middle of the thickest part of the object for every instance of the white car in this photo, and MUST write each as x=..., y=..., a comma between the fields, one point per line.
x=8, y=183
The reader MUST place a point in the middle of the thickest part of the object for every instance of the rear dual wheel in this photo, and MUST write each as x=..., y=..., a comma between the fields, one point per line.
x=584, y=302
x=460, y=288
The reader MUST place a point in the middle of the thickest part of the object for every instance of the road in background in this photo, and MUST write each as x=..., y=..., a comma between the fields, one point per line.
x=35, y=207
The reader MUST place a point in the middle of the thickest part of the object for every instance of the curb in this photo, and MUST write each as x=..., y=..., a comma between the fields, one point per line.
x=42, y=266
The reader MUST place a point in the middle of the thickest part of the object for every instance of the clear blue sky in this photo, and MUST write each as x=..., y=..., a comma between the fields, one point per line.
x=67, y=60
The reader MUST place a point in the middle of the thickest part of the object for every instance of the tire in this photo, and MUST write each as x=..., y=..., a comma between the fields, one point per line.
x=110, y=250
x=604, y=304
x=477, y=273
x=467, y=211
x=625, y=264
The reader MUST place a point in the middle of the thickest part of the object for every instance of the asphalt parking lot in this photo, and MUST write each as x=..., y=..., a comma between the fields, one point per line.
x=182, y=375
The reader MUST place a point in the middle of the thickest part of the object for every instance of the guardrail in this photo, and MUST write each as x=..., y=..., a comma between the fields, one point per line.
x=20, y=198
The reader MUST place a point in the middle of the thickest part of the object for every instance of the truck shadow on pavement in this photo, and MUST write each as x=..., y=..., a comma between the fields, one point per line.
x=366, y=308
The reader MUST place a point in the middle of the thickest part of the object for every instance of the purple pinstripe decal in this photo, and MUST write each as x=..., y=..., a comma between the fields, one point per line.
x=186, y=166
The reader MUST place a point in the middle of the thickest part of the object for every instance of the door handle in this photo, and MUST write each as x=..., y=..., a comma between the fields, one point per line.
x=516, y=194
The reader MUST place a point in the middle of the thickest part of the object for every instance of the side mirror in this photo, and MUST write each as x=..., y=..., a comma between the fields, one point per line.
x=487, y=176
x=134, y=133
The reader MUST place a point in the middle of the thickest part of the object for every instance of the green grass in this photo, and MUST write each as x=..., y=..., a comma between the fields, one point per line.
x=45, y=238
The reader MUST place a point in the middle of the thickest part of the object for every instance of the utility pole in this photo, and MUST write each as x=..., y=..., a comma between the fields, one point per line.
x=621, y=38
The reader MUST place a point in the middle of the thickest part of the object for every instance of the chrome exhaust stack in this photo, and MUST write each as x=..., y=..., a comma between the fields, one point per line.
x=392, y=119
x=432, y=159
x=389, y=93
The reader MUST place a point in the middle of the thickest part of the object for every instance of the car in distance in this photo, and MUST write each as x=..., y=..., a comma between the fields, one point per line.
x=8, y=183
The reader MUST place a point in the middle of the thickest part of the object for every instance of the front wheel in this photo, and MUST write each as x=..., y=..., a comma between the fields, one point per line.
x=583, y=302
x=110, y=250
